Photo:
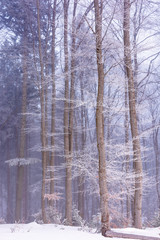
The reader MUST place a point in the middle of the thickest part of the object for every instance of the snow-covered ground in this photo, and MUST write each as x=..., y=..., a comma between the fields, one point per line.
x=34, y=231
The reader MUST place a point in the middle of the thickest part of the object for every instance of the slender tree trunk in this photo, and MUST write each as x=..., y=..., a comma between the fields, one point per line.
x=68, y=206
x=156, y=151
x=68, y=111
x=81, y=178
x=71, y=108
x=25, y=194
x=109, y=122
x=135, y=70
x=43, y=125
x=53, y=102
x=133, y=119
x=46, y=110
x=99, y=123
x=8, y=186
x=70, y=129
x=25, y=189
x=146, y=167
x=8, y=195
x=20, y=168
x=76, y=181
x=46, y=76
x=1, y=194
x=127, y=158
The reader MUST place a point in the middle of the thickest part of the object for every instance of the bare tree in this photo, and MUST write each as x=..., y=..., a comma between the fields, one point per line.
x=20, y=167
x=155, y=137
x=53, y=99
x=105, y=225
x=43, y=125
x=68, y=208
x=133, y=118
x=127, y=158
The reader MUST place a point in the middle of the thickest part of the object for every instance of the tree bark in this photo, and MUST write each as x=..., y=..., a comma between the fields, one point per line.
x=127, y=158
x=20, y=168
x=133, y=118
x=156, y=151
x=68, y=206
x=8, y=186
x=105, y=225
x=43, y=126
x=53, y=102
x=81, y=178
x=25, y=194
x=70, y=123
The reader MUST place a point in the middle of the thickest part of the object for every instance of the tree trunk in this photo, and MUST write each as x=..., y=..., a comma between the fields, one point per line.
x=81, y=178
x=156, y=151
x=53, y=102
x=70, y=127
x=25, y=194
x=8, y=186
x=68, y=206
x=20, y=168
x=133, y=118
x=135, y=69
x=99, y=123
x=43, y=126
x=127, y=158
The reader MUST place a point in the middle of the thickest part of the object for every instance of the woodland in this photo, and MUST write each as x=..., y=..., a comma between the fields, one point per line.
x=80, y=112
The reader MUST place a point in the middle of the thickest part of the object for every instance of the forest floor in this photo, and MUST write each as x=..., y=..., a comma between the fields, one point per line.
x=34, y=231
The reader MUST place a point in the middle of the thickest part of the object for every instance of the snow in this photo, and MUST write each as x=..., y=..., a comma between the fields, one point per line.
x=152, y=232
x=35, y=231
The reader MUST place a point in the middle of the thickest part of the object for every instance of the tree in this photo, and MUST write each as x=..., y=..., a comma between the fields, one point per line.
x=43, y=123
x=133, y=118
x=20, y=168
x=53, y=98
x=68, y=158
x=100, y=122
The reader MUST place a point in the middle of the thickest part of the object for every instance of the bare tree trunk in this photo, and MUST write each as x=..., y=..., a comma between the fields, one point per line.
x=133, y=119
x=68, y=207
x=68, y=111
x=46, y=82
x=109, y=123
x=81, y=178
x=128, y=202
x=99, y=122
x=135, y=70
x=41, y=87
x=43, y=126
x=53, y=102
x=156, y=151
x=8, y=186
x=25, y=194
x=1, y=194
x=20, y=168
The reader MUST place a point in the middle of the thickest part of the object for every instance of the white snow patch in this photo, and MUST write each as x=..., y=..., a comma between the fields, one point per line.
x=59, y=232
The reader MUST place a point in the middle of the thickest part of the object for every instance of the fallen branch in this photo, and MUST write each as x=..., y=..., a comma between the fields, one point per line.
x=112, y=234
